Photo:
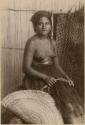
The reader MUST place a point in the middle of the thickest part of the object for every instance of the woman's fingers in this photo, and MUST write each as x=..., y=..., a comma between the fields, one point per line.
x=51, y=81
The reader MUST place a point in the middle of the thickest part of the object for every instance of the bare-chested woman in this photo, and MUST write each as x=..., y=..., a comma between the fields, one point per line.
x=41, y=66
x=40, y=50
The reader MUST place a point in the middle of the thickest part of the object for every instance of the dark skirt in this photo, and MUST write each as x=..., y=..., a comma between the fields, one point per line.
x=62, y=93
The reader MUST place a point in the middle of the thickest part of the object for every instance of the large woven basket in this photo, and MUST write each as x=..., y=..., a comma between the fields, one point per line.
x=33, y=106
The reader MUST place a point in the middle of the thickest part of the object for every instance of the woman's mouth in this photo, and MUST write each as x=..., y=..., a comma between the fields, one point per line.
x=44, y=30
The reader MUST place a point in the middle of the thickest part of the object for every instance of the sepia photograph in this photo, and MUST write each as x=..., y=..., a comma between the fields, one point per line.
x=42, y=61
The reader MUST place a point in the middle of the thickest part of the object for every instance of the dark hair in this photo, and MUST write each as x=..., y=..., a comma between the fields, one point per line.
x=35, y=18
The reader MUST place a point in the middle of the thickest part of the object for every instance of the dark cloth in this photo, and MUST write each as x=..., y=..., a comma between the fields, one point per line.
x=62, y=93
x=30, y=82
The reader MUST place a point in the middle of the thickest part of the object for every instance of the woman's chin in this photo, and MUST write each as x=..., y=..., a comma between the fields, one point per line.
x=44, y=34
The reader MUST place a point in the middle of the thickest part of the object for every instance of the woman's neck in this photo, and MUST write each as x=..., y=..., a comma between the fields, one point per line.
x=43, y=37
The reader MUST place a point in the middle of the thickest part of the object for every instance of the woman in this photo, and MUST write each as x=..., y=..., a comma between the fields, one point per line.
x=41, y=67
x=40, y=50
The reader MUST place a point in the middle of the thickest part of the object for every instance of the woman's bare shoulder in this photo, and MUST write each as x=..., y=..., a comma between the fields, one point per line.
x=31, y=42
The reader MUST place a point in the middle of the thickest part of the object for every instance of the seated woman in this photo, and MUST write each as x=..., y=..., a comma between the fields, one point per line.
x=41, y=67
x=40, y=51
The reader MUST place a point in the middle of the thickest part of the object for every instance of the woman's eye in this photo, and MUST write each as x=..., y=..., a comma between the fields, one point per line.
x=39, y=23
x=47, y=23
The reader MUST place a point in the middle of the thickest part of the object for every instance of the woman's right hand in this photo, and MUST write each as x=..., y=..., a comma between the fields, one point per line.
x=50, y=81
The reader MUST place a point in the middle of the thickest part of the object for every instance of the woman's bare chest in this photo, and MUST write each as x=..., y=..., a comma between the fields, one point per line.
x=44, y=49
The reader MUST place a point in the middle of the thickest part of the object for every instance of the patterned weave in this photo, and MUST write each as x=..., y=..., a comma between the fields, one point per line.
x=69, y=36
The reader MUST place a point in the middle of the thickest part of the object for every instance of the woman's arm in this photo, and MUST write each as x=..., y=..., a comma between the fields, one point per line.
x=59, y=67
x=28, y=59
x=57, y=62
x=62, y=72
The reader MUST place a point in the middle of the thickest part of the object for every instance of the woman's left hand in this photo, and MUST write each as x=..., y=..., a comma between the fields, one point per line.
x=71, y=83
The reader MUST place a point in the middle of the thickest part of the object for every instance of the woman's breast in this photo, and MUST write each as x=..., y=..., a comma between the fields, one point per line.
x=43, y=58
x=43, y=52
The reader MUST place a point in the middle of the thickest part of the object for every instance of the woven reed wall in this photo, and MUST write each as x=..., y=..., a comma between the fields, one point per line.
x=16, y=28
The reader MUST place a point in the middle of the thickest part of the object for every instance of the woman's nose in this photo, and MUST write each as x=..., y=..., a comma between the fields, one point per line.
x=43, y=26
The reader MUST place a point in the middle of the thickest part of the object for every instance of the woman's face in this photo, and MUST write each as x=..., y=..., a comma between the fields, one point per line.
x=43, y=27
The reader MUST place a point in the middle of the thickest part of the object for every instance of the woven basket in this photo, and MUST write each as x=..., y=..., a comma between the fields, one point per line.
x=33, y=106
